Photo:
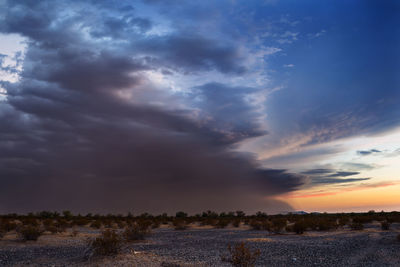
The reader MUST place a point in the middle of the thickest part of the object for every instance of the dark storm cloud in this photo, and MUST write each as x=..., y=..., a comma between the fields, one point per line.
x=188, y=53
x=324, y=176
x=368, y=152
x=71, y=139
x=318, y=171
x=337, y=181
x=343, y=174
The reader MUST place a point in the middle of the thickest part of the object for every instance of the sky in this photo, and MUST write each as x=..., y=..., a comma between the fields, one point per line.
x=160, y=106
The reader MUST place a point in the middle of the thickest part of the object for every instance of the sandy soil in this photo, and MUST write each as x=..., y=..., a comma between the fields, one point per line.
x=204, y=246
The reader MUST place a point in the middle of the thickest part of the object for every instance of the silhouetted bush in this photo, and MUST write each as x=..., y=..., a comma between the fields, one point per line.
x=222, y=223
x=299, y=227
x=135, y=232
x=179, y=224
x=96, y=224
x=398, y=237
x=30, y=233
x=278, y=224
x=108, y=243
x=356, y=226
x=241, y=256
x=385, y=225
x=236, y=222
x=343, y=221
x=326, y=224
x=7, y=225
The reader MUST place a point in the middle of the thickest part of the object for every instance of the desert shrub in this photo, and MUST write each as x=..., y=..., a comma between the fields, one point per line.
x=222, y=223
x=241, y=256
x=179, y=224
x=156, y=224
x=144, y=224
x=2, y=233
x=48, y=222
x=236, y=223
x=255, y=225
x=74, y=233
x=398, y=237
x=135, y=232
x=326, y=224
x=96, y=224
x=356, y=226
x=7, y=225
x=121, y=224
x=385, y=225
x=343, y=221
x=277, y=225
x=30, y=233
x=108, y=243
x=81, y=221
x=362, y=219
x=299, y=227
x=52, y=229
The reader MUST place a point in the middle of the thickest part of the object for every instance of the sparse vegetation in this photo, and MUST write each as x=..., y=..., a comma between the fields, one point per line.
x=241, y=255
x=108, y=243
x=30, y=233
x=135, y=232
x=357, y=226
x=385, y=225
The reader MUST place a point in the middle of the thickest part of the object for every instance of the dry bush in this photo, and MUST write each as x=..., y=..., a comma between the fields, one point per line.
x=385, y=225
x=222, y=223
x=96, y=224
x=8, y=225
x=179, y=224
x=236, y=223
x=241, y=256
x=30, y=232
x=325, y=224
x=135, y=232
x=2, y=233
x=298, y=227
x=357, y=226
x=398, y=237
x=108, y=243
x=343, y=221
x=278, y=225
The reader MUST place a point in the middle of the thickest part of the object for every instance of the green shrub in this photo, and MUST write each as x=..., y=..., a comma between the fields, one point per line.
x=108, y=243
x=30, y=233
x=241, y=256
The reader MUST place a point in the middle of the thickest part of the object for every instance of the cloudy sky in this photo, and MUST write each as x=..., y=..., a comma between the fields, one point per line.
x=116, y=106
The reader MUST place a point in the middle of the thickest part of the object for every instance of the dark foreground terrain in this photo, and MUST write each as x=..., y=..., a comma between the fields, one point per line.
x=204, y=246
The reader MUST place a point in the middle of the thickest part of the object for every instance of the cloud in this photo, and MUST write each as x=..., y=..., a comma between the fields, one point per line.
x=189, y=53
x=337, y=181
x=368, y=152
x=80, y=130
x=325, y=193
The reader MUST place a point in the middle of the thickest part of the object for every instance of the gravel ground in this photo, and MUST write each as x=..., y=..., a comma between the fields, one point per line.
x=204, y=247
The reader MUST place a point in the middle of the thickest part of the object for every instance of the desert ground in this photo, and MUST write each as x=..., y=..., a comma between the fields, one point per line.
x=204, y=246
